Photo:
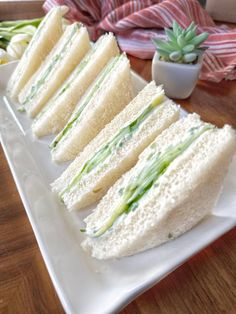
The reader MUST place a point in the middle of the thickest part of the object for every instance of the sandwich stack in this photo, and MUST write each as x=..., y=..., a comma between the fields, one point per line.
x=116, y=148
x=174, y=185
x=155, y=175
x=66, y=54
x=59, y=108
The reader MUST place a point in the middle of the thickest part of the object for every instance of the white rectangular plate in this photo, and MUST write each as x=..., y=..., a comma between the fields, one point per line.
x=86, y=285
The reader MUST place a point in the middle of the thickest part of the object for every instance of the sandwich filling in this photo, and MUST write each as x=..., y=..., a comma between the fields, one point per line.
x=54, y=63
x=115, y=143
x=82, y=65
x=150, y=170
x=92, y=95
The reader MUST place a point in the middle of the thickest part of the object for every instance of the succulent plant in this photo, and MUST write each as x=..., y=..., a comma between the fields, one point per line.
x=182, y=45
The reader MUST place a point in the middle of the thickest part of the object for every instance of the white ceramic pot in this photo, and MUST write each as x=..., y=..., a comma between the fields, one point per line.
x=178, y=80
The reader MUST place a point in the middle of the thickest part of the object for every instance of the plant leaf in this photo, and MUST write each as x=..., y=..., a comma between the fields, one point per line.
x=175, y=56
x=190, y=34
x=190, y=27
x=163, y=53
x=188, y=48
x=170, y=34
x=190, y=57
x=164, y=45
x=177, y=29
x=181, y=41
x=3, y=43
x=196, y=41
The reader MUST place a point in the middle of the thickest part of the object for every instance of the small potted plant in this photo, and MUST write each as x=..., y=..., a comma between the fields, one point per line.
x=177, y=61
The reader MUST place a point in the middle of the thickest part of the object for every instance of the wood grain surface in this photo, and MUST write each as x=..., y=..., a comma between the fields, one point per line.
x=204, y=284
x=20, y=9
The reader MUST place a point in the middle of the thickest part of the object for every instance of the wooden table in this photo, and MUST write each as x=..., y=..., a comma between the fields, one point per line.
x=20, y=9
x=204, y=284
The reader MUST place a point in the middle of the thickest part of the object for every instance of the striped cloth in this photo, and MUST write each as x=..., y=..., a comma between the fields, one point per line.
x=136, y=21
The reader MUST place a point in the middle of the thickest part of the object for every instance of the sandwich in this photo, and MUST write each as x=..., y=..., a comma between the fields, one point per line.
x=44, y=39
x=175, y=184
x=59, y=108
x=107, y=96
x=116, y=148
x=64, y=57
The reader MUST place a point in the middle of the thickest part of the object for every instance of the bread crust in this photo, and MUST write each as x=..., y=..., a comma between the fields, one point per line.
x=74, y=51
x=115, y=94
x=32, y=60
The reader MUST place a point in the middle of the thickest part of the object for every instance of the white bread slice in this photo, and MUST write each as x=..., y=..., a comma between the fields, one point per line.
x=55, y=114
x=64, y=57
x=45, y=37
x=108, y=99
x=95, y=184
x=181, y=197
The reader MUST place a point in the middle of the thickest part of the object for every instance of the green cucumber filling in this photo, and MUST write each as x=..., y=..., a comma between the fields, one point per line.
x=35, y=88
x=68, y=82
x=114, y=144
x=78, y=70
x=154, y=167
x=92, y=94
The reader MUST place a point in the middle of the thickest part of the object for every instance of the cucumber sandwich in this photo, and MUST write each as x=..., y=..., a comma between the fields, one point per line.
x=44, y=39
x=64, y=57
x=107, y=96
x=116, y=148
x=57, y=111
x=175, y=184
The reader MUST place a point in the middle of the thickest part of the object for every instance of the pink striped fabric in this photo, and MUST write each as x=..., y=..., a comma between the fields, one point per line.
x=136, y=21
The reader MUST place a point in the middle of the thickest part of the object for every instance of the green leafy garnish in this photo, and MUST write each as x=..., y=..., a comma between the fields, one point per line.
x=8, y=29
x=21, y=109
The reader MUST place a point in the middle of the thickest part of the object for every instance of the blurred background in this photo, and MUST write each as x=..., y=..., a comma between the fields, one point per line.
x=24, y=9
